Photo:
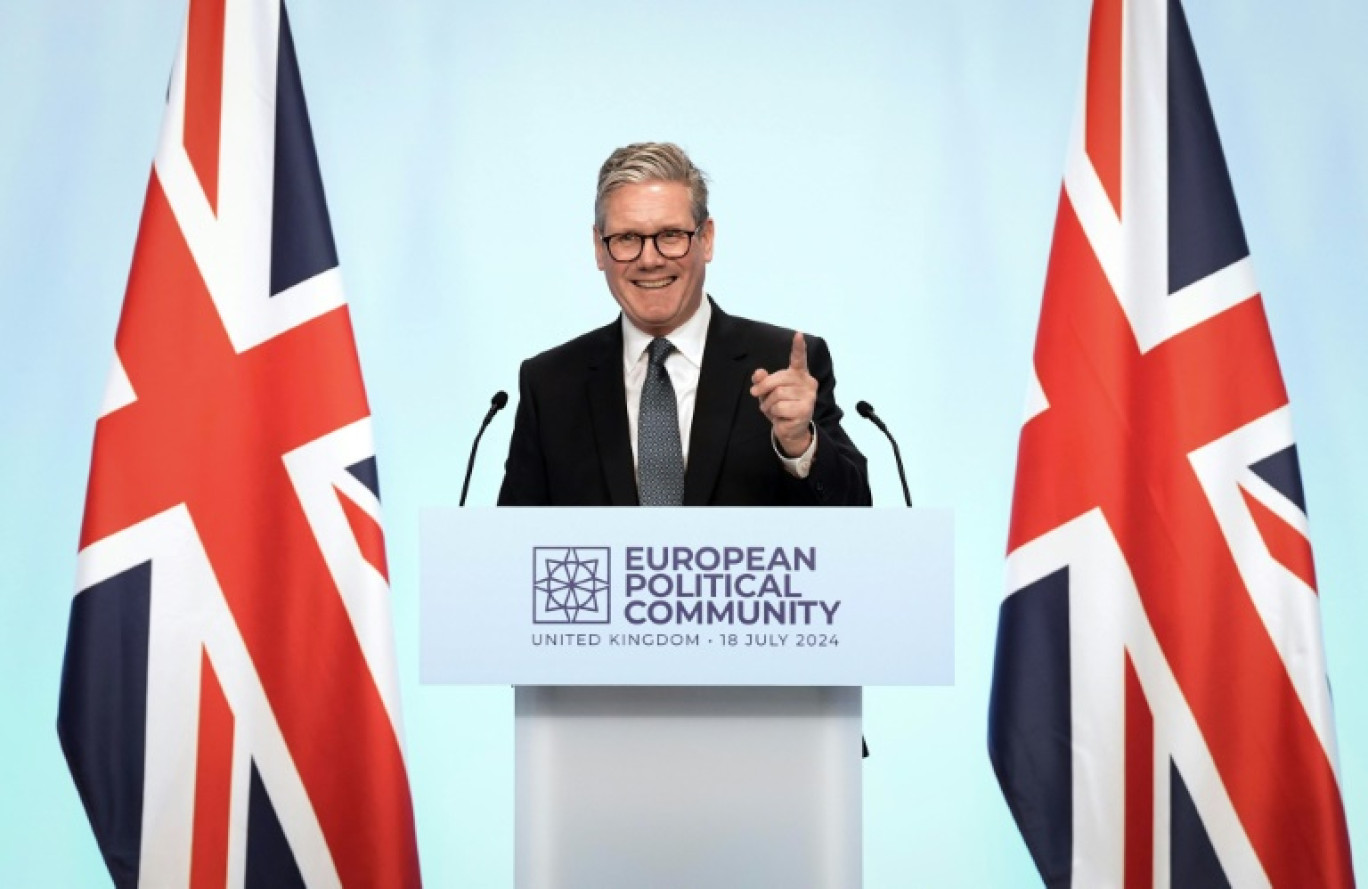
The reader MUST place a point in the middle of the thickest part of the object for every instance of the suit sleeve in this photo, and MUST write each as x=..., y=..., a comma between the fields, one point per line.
x=839, y=475
x=525, y=479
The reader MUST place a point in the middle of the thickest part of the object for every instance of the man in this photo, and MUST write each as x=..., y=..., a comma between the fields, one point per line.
x=675, y=402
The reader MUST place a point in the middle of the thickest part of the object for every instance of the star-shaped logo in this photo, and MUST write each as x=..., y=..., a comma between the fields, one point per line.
x=570, y=585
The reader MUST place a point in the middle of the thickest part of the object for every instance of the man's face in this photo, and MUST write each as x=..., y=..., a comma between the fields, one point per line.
x=656, y=294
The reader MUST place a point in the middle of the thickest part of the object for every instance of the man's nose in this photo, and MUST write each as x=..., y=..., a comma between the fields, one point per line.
x=650, y=256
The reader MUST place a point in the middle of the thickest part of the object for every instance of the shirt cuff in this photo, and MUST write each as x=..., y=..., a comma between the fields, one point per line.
x=799, y=466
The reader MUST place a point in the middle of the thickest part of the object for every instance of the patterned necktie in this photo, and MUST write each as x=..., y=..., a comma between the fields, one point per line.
x=660, y=457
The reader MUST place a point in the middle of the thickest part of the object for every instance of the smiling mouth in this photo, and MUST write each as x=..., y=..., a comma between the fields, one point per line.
x=654, y=284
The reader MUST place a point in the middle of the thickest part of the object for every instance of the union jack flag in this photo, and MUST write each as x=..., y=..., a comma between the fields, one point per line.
x=230, y=706
x=1160, y=712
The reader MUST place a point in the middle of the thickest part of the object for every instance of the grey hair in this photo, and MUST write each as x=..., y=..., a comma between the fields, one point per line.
x=651, y=162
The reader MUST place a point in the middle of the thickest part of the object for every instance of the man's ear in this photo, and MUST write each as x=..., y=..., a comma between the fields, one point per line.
x=706, y=237
x=600, y=252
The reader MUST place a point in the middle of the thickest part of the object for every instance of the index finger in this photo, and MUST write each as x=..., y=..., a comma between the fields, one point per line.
x=798, y=356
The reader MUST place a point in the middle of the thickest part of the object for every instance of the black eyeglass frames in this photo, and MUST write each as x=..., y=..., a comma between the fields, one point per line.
x=672, y=243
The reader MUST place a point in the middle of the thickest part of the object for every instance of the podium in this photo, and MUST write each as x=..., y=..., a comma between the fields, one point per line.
x=687, y=681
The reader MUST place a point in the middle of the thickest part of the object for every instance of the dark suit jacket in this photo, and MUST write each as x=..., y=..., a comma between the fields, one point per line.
x=571, y=445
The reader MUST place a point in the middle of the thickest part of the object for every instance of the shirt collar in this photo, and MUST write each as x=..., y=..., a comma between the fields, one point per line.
x=688, y=338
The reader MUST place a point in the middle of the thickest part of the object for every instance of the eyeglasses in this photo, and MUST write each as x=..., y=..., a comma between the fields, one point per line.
x=672, y=243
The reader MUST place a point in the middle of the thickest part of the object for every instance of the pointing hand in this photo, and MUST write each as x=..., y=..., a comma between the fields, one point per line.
x=787, y=399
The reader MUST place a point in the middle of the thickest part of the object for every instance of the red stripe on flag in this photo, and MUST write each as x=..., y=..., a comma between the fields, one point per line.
x=369, y=535
x=213, y=783
x=1288, y=546
x=1139, y=852
x=204, y=92
x=1102, y=124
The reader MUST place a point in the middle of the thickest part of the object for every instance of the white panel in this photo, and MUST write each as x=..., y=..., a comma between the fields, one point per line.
x=678, y=788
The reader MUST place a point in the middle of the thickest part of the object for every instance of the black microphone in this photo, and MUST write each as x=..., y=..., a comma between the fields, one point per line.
x=496, y=404
x=865, y=410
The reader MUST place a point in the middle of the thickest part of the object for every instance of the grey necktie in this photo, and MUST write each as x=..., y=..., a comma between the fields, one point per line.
x=660, y=457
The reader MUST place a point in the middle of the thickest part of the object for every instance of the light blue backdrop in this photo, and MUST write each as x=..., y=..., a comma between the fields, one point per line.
x=885, y=174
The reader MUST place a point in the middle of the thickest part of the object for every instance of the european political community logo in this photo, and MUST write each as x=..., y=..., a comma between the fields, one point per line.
x=570, y=585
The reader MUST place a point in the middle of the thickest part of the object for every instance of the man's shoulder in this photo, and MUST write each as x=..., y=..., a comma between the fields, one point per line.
x=761, y=331
x=586, y=350
x=760, y=334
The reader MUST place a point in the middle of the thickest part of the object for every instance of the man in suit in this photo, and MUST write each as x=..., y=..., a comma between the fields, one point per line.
x=675, y=402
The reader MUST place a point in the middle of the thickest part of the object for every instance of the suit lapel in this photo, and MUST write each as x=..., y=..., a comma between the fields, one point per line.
x=720, y=383
x=608, y=411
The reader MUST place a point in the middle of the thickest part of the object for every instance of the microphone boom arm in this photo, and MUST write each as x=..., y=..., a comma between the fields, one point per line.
x=865, y=410
x=496, y=404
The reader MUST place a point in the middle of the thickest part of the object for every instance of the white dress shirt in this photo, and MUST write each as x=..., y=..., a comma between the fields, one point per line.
x=684, y=365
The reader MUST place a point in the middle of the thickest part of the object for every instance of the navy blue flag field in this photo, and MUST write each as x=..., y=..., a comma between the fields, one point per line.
x=1160, y=712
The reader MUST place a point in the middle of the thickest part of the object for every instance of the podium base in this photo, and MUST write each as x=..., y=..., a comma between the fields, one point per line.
x=687, y=787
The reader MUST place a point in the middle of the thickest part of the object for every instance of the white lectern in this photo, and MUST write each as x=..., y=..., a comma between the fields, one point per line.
x=688, y=680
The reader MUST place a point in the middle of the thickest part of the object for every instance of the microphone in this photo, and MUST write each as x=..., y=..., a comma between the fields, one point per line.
x=496, y=404
x=865, y=410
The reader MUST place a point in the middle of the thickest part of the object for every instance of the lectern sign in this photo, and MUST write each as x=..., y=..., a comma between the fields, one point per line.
x=687, y=596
